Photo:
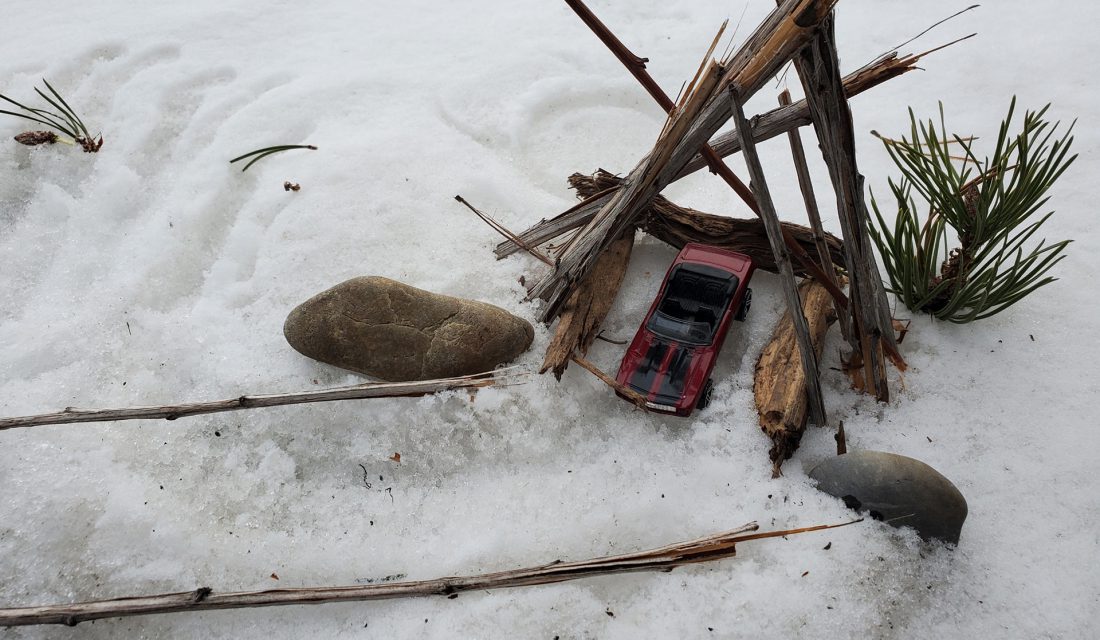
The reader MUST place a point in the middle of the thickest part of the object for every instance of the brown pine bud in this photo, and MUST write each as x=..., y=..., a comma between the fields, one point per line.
x=35, y=138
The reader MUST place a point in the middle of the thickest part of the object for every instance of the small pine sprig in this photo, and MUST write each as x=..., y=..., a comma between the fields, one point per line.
x=990, y=204
x=260, y=154
x=64, y=120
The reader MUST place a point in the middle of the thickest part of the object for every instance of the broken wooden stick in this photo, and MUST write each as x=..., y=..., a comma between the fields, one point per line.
x=872, y=334
x=588, y=305
x=806, y=186
x=502, y=230
x=363, y=391
x=633, y=396
x=707, y=549
x=786, y=273
x=779, y=386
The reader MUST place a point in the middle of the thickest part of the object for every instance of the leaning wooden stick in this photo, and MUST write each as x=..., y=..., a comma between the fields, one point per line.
x=707, y=549
x=171, y=412
x=786, y=273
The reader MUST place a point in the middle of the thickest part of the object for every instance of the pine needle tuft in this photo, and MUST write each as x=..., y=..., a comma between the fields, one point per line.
x=990, y=205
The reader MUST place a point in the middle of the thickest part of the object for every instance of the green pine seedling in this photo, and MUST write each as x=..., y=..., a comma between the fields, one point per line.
x=63, y=120
x=989, y=204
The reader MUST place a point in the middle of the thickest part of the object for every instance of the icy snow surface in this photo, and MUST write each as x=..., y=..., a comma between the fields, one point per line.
x=155, y=272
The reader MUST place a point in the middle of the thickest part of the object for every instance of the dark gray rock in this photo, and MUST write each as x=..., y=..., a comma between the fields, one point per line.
x=899, y=490
x=395, y=332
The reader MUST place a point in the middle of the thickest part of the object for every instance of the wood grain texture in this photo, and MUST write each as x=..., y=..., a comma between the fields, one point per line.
x=779, y=386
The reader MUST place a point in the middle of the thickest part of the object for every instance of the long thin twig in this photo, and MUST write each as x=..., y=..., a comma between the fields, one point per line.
x=628, y=393
x=72, y=415
x=954, y=15
x=502, y=230
x=707, y=549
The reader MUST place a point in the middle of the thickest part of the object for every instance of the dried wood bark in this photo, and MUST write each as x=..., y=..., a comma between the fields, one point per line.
x=678, y=226
x=790, y=288
x=587, y=306
x=818, y=67
x=764, y=127
x=357, y=392
x=707, y=549
x=779, y=387
x=700, y=115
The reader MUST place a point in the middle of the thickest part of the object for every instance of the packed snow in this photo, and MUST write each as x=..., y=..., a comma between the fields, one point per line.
x=155, y=272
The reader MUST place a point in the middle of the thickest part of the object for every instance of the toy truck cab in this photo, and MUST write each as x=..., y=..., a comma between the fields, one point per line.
x=675, y=349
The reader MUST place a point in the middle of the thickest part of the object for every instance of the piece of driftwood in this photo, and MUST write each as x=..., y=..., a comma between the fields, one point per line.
x=779, y=386
x=707, y=549
x=764, y=127
x=677, y=226
x=872, y=335
x=363, y=391
x=588, y=305
x=806, y=186
x=704, y=109
x=790, y=288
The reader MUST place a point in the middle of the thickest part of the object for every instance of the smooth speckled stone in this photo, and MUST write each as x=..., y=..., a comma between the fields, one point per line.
x=899, y=490
x=395, y=332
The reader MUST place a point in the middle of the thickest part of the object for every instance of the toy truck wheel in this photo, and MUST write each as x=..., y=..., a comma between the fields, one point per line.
x=743, y=310
x=704, y=397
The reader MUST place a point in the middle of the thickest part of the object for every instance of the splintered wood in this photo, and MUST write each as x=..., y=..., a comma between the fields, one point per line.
x=779, y=387
x=588, y=305
x=706, y=549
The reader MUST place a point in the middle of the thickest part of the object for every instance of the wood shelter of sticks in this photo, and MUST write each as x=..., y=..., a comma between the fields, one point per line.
x=588, y=267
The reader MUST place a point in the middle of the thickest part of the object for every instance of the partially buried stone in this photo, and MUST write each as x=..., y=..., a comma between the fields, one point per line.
x=901, y=491
x=395, y=332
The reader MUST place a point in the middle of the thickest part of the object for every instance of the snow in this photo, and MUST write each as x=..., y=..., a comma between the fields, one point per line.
x=155, y=272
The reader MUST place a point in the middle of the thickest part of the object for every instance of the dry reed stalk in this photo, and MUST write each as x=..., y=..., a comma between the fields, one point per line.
x=706, y=549
x=357, y=392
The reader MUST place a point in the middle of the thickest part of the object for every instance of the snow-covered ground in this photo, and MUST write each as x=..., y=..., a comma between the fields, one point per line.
x=156, y=272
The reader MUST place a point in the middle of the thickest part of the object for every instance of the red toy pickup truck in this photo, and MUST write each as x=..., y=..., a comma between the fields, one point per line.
x=671, y=357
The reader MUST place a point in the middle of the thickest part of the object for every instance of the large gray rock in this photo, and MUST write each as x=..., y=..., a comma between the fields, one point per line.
x=899, y=490
x=395, y=332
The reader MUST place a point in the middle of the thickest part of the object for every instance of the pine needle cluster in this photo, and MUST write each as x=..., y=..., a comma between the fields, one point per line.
x=63, y=119
x=990, y=205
